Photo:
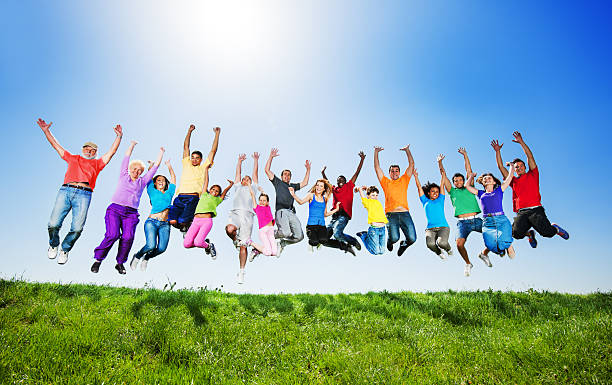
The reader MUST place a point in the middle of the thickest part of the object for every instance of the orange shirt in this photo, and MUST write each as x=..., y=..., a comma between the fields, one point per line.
x=396, y=192
x=81, y=169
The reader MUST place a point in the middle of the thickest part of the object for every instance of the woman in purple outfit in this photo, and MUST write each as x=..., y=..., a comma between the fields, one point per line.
x=122, y=214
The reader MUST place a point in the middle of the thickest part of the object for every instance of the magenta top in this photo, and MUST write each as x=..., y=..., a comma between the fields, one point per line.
x=128, y=192
x=264, y=215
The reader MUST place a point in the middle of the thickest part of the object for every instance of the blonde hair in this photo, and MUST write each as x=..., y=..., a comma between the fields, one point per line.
x=139, y=162
x=327, y=187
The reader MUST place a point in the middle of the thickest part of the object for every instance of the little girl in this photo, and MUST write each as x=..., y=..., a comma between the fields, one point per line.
x=266, y=227
x=496, y=228
x=205, y=211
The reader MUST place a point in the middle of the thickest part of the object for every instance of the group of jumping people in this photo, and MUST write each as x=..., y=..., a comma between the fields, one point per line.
x=195, y=206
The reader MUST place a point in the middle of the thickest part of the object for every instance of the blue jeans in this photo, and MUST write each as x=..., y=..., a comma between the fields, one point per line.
x=374, y=240
x=337, y=225
x=466, y=226
x=68, y=198
x=157, y=234
x=401, y=220
x=497, y=233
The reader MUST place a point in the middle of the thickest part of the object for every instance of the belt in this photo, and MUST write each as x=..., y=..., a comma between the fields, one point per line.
x=494, y=214
x=77, y=187
x=466, y=218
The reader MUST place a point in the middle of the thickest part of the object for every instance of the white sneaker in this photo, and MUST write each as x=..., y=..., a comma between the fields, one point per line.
x=134, y=263
x=254, y=253
x=468, y=269
x=52, y=252
x=511, y=253
x=143, y=264
x=63, y=257
x=240, y=276
x=310, y=248
x=279, y=248
x=485, y=259
x=449, y=252
x=441, y=255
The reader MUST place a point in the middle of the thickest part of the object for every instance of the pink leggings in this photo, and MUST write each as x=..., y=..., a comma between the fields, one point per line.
x=266, y=234
x=197, y=233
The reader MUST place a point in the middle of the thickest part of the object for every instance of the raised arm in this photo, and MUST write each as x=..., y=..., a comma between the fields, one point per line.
x=444, y=182
x=205, y=185
x=115, y=146
x=377, y=169
x=418, y=183
x=130, y=148
x=273, y=154
x=304, y=182
x=469, y=184
x=307, y=198
x=498, y=158
x=361, y=190
x=323, y=173
x=54, y=143
x=229, y=186
x=410, y=159
x=255, y=175
x=215, y=145
x=356, y=174
x=186, y=152
x=151, y=172
x=518, y=138
x=171, y=171
x=253, y=196
x=509, y=177
x=238, y=177
x=466, y=160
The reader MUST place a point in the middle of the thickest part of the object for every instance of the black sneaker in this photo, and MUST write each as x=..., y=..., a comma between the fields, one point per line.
x=119, y=267
x=212, y=250
x=356, y=244
x=349, y=249
x=389, y=246
x=402, y=247
x=96, y=266
x=533, y=242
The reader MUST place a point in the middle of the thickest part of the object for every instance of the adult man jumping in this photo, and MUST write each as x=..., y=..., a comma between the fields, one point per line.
x=75, y=193
x=526, y=199
x=396, y=201
x=343, y=194
x=289, y=226
x=191, y=183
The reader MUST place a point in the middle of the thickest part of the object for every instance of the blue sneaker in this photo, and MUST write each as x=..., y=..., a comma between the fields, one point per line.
x=533, y=242
x=560, y=232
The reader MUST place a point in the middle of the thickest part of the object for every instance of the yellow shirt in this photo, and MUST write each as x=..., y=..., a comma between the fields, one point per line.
x=192, y=178
x=396, y=192
x=375, y=210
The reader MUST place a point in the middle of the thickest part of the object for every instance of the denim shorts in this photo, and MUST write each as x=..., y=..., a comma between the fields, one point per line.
x=466, y=226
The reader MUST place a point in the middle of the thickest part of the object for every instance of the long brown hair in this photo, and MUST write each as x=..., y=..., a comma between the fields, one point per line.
x=327, y=187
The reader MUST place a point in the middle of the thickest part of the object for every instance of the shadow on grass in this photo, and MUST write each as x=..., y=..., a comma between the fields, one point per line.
x=263, y=304
x=193, y=301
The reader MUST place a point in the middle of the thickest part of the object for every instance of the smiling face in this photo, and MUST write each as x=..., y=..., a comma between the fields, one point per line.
x=135, y=170
x=246, y=181
x=319, y=188
x=373, y=195
x=89, y=152
x=488, y=180
x=519, y=167
x=160, y=183
x=434, y=193
x=458, y=181
x=286, y=176
x=263, y=200
x=196, y=159
x=394, y=172
x=215, y=191
x=340, y=181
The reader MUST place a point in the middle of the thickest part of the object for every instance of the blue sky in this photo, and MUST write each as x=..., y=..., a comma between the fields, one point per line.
x=321, y=81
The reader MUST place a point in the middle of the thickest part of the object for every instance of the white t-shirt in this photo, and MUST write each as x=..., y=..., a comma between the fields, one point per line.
x=242, y=197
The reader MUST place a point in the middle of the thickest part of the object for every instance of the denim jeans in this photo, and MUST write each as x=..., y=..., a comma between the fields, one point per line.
x=374, y=240
x=337, y=225
x=497, y=233
x=466, y=226
x=157, y=234
x=68, y=198
x=401, y=220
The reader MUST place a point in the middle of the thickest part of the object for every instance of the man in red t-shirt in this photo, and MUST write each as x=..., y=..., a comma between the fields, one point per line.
x=343, y=194
x=75, y=193
x=526, y=200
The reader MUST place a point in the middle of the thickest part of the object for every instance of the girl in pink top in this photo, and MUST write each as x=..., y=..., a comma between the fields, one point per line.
x=266, y=227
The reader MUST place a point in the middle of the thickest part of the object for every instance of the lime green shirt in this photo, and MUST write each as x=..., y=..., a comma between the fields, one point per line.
x=208, y=204
x=463, y=201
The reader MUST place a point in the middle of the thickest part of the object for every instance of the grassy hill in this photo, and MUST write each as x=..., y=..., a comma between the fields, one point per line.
x=83, y=334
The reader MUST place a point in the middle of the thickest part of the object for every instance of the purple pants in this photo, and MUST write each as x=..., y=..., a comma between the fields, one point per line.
x=121, y=224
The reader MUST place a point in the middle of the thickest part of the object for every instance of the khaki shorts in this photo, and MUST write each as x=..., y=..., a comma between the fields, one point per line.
x=243, y=220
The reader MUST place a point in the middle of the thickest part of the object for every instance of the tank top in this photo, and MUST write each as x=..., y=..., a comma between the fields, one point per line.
x=316, y=212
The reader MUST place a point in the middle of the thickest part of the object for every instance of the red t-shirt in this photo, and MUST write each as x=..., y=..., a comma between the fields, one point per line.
x=526, y=190
x=81, y=169
x=344, y=195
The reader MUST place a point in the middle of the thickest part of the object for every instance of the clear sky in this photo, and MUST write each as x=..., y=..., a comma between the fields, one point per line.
x=321, y=81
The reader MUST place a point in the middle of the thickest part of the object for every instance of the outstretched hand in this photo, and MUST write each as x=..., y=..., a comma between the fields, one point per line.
x=440, y=157
x=324, y=168
x=415, y=173
x=518, y=138
x=241, y=157
x=191, y=127
x=43, y=125
x=361, y=155
x=307, y=164
x=231, y=182
x=496, y=146
x=118, y=130
x=133, y=143
x=462, y=151
x=167, y=162
x=255, y=155
x=337, y=205
x=217, y=130
x=274, y=152
x=377, y=149
x=406, y=148
x=291, y=190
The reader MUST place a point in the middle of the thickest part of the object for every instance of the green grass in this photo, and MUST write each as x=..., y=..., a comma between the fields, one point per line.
x=80, y=334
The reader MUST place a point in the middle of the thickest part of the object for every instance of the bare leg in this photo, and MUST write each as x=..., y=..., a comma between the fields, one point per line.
x=463, y=251
x=242, y=255
x=231, y=231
